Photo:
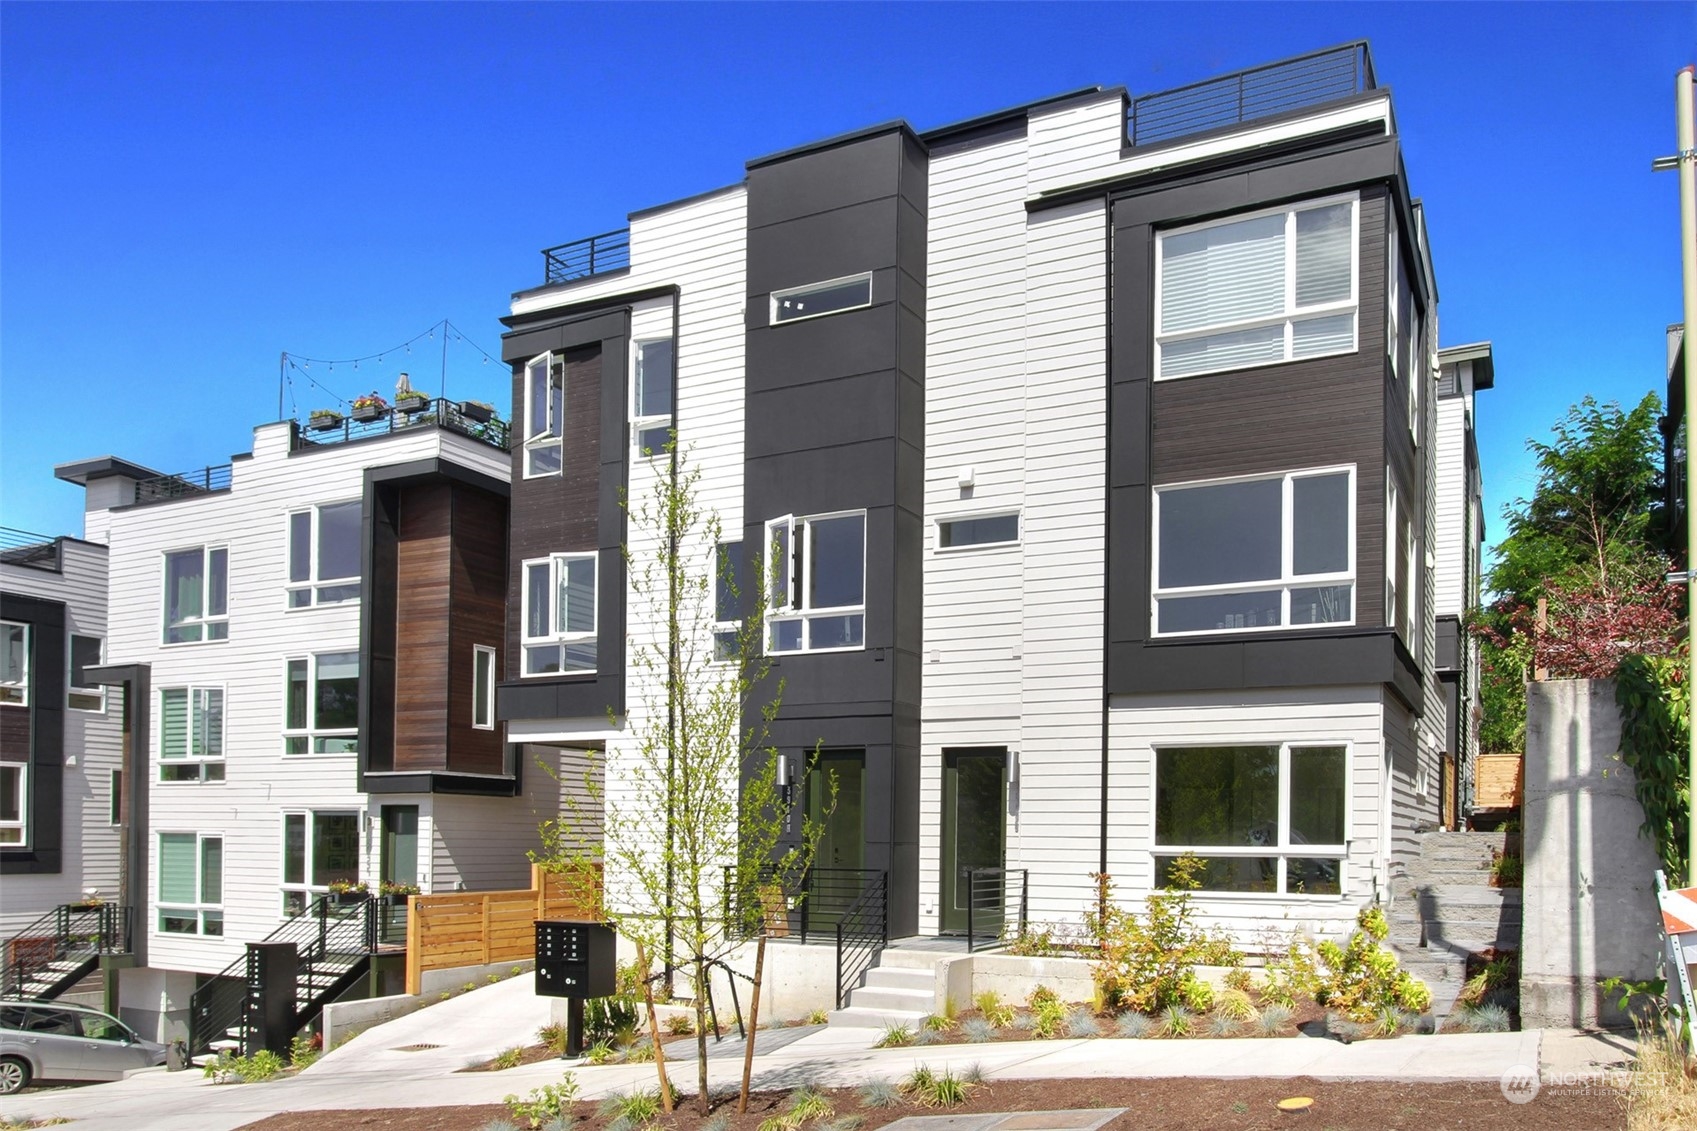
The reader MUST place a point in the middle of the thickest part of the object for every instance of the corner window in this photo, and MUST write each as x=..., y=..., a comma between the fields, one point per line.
x=321, y=704
x=559, y=615
x=544, y=414
x=319, y=849
x=728, y=589
x=14, y=804
x=1252, y=554
x=1256, y=290
x=191, y=734
x=482, y=687
x=1268, y=819
x=651, y=397
x=14, y=664
x=80, y=693
x=817, y=601
x=191, y=884
x=818, y=299
x=1390, y=550
x=197, y=595
x=981, y=530
x=324, y=554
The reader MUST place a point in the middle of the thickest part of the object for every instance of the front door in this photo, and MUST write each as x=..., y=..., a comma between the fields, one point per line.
x=975, y=800
x=835, y=881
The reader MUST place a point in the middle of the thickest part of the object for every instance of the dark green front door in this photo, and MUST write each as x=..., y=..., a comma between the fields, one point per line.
x=974, y=836
x=834, y=884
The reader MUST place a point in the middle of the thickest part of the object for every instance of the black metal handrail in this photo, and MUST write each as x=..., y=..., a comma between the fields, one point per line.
x=184, y=485
x=71, y=932
x=992, y=892
x=1255, y=92
x=468, y=418
x=862, y=931
x=810, y=908
x=596, y=255
x=334, y=931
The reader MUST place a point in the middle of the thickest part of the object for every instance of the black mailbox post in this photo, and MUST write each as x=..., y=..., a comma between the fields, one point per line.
x=576, y=961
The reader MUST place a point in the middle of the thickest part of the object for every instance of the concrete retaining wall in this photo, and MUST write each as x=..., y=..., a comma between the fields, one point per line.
x=343, y=1019
x=1589, y=898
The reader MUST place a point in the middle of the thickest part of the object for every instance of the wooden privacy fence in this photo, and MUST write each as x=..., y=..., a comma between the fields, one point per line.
x=1498, y=780
x=479, y=928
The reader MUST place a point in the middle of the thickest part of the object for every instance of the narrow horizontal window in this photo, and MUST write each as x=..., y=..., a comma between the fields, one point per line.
x=989, y=530
x=816, y=299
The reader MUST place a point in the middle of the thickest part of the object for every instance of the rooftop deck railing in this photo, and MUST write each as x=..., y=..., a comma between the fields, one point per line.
x=580, y=259
x=468, y=418
x=20, y=547
x=184, y=485
x=1256, y=92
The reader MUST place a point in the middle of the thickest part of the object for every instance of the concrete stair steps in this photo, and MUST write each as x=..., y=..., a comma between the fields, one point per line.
x=891, y=957
x=868, y=1018
x=901, y=978
x=897, y=1000
x=1471, y=847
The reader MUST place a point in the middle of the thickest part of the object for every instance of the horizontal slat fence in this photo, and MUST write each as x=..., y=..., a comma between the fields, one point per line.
x=1497, y=781
x=479, y=928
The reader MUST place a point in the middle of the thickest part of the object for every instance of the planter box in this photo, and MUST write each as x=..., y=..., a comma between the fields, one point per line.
x=369, y=413
x=348, y=898
x=471, y=410
x=412, y=404
x=324, y=423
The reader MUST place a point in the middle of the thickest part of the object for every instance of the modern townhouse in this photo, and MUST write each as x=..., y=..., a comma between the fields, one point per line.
x=62, y=785
x=1097, y=440
x=311, y=636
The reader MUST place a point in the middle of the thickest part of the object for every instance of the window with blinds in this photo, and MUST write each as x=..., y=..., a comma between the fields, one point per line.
x=1257, y=290
x=191, y=884
x=191, y=734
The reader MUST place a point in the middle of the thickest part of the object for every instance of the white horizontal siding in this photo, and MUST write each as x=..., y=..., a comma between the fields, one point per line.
x=1452, y=542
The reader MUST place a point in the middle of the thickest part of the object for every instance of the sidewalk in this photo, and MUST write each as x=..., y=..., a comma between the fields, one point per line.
x=372, y=1072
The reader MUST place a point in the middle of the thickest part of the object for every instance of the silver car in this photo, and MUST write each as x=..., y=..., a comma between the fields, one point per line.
x=49, y=1041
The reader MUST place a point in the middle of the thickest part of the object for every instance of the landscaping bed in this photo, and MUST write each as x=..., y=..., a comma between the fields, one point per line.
x=1155, y=1105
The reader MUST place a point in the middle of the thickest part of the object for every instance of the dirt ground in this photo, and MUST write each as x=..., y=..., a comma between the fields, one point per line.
x=1155, y=1105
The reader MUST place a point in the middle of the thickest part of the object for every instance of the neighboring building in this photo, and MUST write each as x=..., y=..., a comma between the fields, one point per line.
x=315, y=632
x=61, y=780
x=1098, y=436
x=1673, y=426
x=1457, y=549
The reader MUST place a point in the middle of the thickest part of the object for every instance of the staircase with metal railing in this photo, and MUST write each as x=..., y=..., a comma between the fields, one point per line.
x=334, y=940
x=62, y=948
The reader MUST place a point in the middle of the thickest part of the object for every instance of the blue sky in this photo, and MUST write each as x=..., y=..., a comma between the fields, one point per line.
x=190, y=190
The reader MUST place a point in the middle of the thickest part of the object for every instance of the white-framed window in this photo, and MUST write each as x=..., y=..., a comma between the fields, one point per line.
x=197, y=598
x=482, y=687
x=321, y=704
x=324, y=554
x=1413, y=631
x=1390, y=550
x=1269, y=819
x=544, y=414
x=817, y=601
x=319, y=849
x=191, y=884
x=979, y=530
x=84, y=652
x=14, y=804
x=1393, y=299
x=1257, y=289
x=815, y=300
x=1255, y=553
x=559, y=615
x=191, y=734
x=653, y=364
x=729, y=571
x=14, y=664
x=115, y=798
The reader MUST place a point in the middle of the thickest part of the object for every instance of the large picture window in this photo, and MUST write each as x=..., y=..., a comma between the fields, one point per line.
x=324, y=554
x=651, y=396
x=14, y=664
x=191, y=884
x=80, y=693
x=544, y=414
x=197, y=595
x=191, y=734
x=817, y=601
x=321, y=704
x=1256, y=290
x=1246, y=555
x=14, y=804
x=318, y=850
x=1269, y=819
x=559, y=615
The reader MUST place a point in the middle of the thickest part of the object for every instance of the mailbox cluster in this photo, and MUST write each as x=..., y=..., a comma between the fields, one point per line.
x=575, y=960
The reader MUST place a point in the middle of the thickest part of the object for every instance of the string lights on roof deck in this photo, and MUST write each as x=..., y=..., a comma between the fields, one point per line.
x=300, y=363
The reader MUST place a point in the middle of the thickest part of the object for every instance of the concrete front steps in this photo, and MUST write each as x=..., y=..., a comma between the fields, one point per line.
x=900, y=990
x=1445, y=909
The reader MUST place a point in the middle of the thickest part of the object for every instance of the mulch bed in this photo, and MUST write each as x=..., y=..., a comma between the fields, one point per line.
x=1155, y=1105
x=1306, y=1015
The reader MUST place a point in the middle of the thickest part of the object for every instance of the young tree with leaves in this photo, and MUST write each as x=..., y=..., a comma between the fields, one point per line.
x=688, y=799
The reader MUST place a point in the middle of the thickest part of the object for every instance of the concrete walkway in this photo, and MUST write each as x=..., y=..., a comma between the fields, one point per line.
x=371, y=1071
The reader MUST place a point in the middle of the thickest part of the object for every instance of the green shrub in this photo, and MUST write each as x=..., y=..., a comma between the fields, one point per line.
x=1082, y=1023
x=1360, y=978
x=895, y=1037
x=1048, y=1015
x=977, y=1030
x=880, y=1093
x=1224, y=1025
x=545, y=1103
x=507, y=1058
x=1149, y=962
x=680, y=1025
x=612, y=1019
x=805, y=1106
x=1041, y=995
x=818, y=1016
x=992, y=1009
x=635, y=1108
x=934, y=1089
x=1235, y=1004
x=601, y=1052
x=937, y=1023
x=927, y=1037
x=553, y=1037
x=1133, y=1024
x=1274, y=1017
x=305, y=1049
x=1237, y=978
x=255, y=1069
x=1198, y=995
x=1177, y=1021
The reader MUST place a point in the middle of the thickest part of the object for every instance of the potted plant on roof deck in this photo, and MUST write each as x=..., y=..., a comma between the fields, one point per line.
x=480, y=411
x=324, y=419
x=411, y=401
x=369, y=407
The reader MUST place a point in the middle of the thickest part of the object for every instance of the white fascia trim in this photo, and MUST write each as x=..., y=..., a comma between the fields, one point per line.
x=563, y=730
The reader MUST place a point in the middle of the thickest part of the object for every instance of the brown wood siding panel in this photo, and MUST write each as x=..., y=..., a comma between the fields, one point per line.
x=14, y=734
x=558, y=513
x=421, y=632
x=478, y=571
x=1302, y=414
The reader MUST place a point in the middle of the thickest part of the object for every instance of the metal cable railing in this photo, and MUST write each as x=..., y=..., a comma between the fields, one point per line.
x=596, y=255
x=187, y=484
x=993, y=897
x=48, y=954
x=808, y=910
x=468, y=418
x=1256, y=92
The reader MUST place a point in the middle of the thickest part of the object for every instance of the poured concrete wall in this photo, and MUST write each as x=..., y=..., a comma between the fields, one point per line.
x=1589, y=901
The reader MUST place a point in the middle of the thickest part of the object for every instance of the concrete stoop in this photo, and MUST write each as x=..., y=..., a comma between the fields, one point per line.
x=900, y=990
x=1445, y=909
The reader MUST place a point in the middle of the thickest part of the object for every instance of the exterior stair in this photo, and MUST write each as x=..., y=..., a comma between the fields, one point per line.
x=53, y=955
x=900, y=990
x=1444, y=909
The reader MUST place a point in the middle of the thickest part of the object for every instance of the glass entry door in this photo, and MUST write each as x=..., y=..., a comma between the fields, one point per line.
x=835, y=881
x=975, y=794
x=399, y=863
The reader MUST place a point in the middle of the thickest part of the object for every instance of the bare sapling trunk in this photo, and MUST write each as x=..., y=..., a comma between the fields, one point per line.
x=753, y=1021
x=654, y=1031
